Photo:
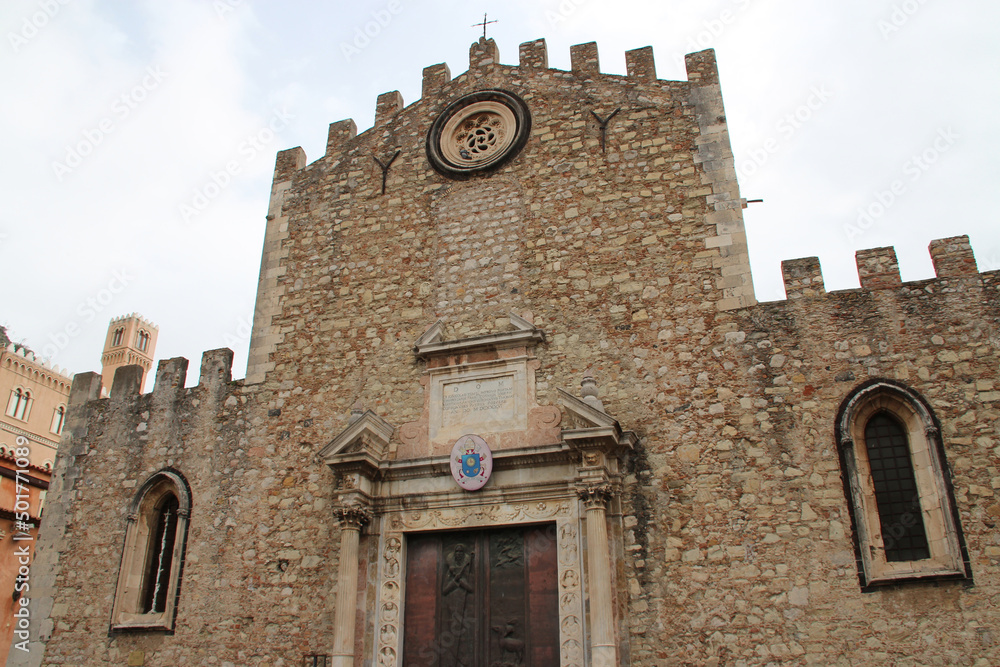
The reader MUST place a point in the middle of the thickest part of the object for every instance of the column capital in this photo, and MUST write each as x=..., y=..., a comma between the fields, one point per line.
x=352, y=516
x=596, y=496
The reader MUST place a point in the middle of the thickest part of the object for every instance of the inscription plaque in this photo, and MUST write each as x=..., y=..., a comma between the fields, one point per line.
x=473, y=401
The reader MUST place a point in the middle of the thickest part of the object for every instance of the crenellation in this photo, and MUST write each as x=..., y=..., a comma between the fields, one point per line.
x=584, y=59
x=216, y=368
x=533, y=55
x=803, y=278
x=288, y=162
x=86, y=387
x=953, y=257
x=702, y=68
x=171, y=376
x=388, y=105
x=878, y=268
x=339, y=135
x=483, y=54
x=434, y=78
x=127, y=382
x=639, y=63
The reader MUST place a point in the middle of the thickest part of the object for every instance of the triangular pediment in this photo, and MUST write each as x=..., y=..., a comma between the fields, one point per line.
x=367, y=438
x=432, y=343
x=580, y=415
x=585, y=426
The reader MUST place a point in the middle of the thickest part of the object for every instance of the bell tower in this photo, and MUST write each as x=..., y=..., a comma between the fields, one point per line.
x=131, y=339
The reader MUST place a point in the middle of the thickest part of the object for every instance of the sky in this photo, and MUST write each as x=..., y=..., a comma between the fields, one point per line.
x=138, y=138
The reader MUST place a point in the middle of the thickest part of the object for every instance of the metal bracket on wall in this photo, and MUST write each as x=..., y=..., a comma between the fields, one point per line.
x=603, y=122
x=385, y=167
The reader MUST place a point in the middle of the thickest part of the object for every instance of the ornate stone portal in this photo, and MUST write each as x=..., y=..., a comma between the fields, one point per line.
x=556, y=471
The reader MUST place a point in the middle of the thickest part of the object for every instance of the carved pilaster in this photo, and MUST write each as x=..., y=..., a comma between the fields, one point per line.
x=595, y=498
x=352, y=518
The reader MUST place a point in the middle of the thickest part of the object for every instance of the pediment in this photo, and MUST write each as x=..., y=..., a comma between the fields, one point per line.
x=432, y=343
x=580, y=414
x=583, y=422
x=367, y=438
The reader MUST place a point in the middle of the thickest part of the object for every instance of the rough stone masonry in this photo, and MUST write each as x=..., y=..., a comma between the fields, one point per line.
x=719, y=444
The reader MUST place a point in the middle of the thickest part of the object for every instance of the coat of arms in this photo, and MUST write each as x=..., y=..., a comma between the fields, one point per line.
x=471, y=462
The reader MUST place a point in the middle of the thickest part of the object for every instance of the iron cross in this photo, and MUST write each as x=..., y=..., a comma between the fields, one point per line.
x=484, y=24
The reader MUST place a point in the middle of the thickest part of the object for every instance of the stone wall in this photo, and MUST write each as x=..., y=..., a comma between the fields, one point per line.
x=735, y=540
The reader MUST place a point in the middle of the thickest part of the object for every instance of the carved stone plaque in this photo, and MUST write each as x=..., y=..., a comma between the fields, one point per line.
x=493, y=399
x=468, y=401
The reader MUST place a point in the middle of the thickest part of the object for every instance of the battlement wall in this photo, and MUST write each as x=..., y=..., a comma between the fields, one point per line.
x=211, y=435
x=624, y=193
x=878, y=268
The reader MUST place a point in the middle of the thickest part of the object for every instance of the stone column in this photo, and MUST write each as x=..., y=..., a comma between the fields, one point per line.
x=345, y=615
x=604, y=649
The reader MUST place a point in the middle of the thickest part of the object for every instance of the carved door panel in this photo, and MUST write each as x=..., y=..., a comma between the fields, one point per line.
x=482, y=599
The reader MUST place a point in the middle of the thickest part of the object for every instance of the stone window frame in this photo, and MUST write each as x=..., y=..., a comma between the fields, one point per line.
x=948, y=555
x=126, y=614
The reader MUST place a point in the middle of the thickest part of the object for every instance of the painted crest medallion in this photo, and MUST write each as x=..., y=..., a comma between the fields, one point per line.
x=471, y=462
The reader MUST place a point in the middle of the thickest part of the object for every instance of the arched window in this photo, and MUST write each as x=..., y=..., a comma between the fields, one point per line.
x=142, y=341
x=58, y=420
x=116, y=337
x=898, y=487
x=153, y=557
x=19, y=405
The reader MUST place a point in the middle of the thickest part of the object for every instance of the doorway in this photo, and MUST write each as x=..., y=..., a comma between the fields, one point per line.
x=485, y=598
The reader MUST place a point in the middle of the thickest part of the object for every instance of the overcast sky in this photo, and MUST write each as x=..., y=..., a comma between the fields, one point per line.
x=860, y=123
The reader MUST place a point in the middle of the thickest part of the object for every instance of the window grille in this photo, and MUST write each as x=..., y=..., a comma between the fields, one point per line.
x=896, y=492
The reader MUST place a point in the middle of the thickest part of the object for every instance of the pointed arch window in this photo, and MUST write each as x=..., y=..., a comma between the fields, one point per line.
x=116, y=338
x=142, y=341
x=153, y=556
x=898, y=487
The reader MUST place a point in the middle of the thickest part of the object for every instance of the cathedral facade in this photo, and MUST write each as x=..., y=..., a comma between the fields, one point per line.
x=511, y=401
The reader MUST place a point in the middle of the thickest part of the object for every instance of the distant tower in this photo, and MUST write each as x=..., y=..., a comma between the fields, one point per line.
x=131, y=340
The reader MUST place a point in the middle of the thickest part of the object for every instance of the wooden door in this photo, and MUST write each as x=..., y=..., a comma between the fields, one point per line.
x=482, y=599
